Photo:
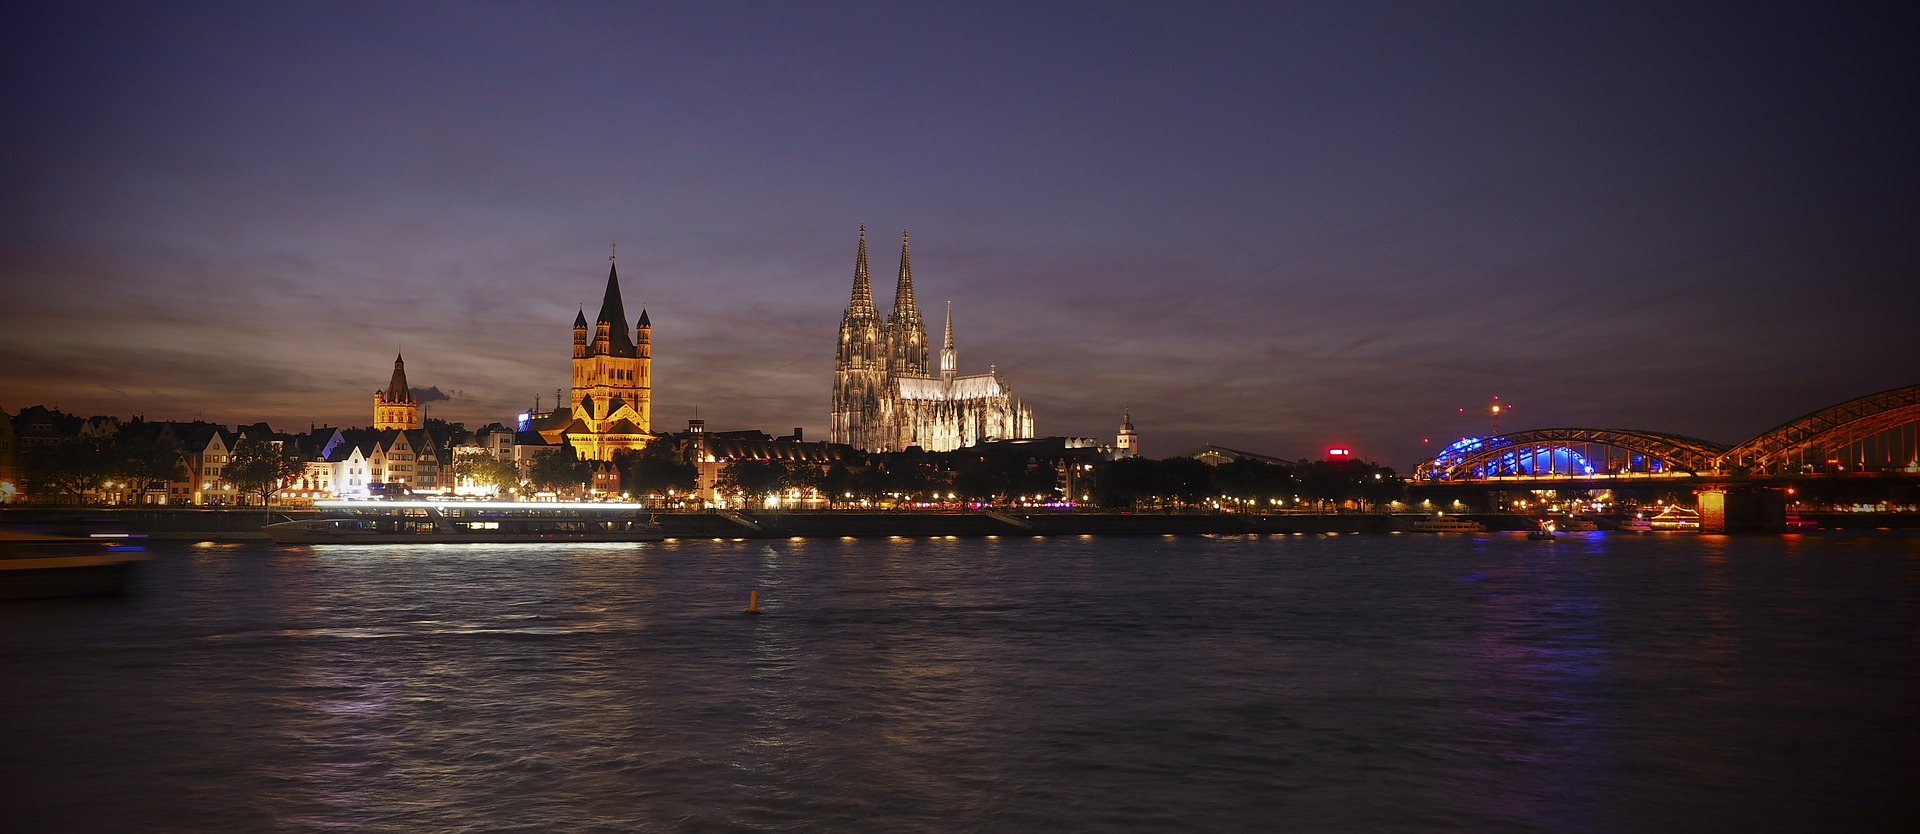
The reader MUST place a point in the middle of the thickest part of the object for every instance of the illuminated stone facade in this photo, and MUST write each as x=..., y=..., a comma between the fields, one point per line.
x=884, y=397
x=612, y=403
x=1127, y=443
x=395, y=409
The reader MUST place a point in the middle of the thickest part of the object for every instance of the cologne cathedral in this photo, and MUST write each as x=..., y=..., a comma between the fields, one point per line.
x=885, y=399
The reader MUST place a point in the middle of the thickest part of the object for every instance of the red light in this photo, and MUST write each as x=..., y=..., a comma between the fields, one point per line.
x=1337, y=452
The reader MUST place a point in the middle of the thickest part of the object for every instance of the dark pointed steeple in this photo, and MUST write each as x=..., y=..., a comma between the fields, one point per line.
x=397, y=391
x=613, y=315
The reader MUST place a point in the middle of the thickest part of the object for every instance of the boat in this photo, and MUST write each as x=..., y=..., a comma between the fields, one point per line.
x=1442, y=524
x=1578, y=525
x=1675, y=519
x=1543, y=531
x=1636, y=524
x=422, y=521
x=39, y=565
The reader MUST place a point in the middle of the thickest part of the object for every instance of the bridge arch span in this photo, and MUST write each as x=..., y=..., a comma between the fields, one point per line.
x=1552, y=451
x=1829, y=429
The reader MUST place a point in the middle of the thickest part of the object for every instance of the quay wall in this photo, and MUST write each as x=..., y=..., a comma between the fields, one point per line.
x=243, y=524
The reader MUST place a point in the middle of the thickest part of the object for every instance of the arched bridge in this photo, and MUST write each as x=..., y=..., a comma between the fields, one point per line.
x=1823, y=431
x=1585, y=453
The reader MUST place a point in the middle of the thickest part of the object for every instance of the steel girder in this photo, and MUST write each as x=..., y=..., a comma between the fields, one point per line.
x=1690, y=454
x=1830, y=428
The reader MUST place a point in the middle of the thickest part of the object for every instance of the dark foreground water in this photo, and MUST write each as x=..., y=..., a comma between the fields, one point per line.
x=1346, y=683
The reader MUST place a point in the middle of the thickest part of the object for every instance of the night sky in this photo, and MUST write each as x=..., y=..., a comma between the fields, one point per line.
x=1271, y=227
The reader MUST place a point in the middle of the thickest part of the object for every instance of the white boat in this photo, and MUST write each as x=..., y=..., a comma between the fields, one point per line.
x=416, y=521
x=34, y=565
x=1636, y=524
x=1676, y=519
x=1443, y=524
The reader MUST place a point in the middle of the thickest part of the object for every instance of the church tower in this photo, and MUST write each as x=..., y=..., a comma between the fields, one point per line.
x=905, y=331
x=1127, y=445
x=612, y=402
x=395, y=407
x=860, y=363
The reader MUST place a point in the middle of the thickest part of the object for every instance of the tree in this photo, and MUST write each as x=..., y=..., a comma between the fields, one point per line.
x=662, y=466
x=555, y=469
x=261, y=467
x=446, y=432
x=482, y=469
x=754, y=478
x=1124, y=483
x=73, y=466
x=803, y=476
x=837, y=483
x=144, y=461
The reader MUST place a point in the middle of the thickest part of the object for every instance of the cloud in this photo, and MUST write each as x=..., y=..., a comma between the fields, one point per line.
x=429, y=395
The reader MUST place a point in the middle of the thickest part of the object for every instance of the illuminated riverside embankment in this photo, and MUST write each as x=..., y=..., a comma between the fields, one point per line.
x=201, y=524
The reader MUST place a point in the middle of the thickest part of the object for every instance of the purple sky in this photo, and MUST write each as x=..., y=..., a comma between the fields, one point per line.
x=1267, y=227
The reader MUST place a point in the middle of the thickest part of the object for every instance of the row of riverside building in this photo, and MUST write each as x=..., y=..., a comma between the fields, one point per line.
x=886, y=398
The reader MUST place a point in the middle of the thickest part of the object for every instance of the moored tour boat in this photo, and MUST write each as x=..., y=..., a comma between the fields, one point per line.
x=36, y=565
x=416, y=521
x=1443, y=524
x=1675, y=519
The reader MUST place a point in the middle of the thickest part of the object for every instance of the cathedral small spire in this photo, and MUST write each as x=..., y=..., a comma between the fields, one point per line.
x=949, y=359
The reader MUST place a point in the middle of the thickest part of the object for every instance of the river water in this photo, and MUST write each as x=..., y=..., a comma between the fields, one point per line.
x=1293, y=683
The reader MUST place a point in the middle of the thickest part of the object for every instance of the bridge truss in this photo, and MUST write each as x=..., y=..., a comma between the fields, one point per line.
x=1827, y=430
x=1569, y=452
x=1542, y=452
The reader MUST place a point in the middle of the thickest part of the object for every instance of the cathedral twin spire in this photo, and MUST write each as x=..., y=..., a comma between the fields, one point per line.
x=902, y=338
x=862, y=282
x=907, y=332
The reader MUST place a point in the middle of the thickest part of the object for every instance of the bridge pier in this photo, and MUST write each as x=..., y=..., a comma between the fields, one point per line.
x=1741, y=509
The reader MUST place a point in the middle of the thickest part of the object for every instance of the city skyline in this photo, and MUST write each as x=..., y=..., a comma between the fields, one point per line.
x=1277, y=230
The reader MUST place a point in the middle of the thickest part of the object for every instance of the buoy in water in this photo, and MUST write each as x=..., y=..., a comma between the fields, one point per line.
x=753, y=602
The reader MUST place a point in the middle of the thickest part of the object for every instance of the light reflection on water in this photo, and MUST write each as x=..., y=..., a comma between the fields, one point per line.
x=1389, y=683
